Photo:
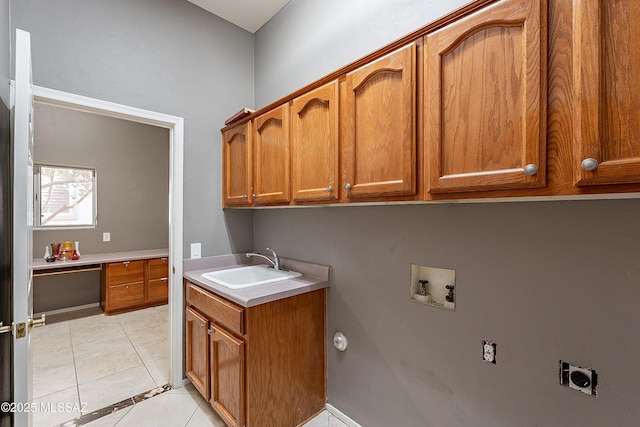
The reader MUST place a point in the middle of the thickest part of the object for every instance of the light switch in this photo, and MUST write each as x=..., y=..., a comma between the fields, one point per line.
x=196, y=250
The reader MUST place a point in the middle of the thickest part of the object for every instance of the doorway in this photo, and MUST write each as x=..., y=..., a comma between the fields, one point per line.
x=175, y=126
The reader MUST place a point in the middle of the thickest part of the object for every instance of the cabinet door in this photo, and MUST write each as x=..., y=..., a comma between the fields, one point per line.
x=227, y=372
x=237, y=166
x=272, y=157
x=607, y=89
x=197, y=351
x=314, y=144
x=379, y=127
x=485, y=100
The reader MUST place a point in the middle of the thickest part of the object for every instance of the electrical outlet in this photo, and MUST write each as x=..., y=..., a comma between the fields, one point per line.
x=489, y=351
x=577, y=378
x=106, y=237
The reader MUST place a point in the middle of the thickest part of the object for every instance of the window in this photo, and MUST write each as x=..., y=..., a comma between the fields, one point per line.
x=64, y=196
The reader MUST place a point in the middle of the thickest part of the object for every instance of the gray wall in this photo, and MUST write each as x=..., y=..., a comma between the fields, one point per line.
x=132, y=166
x=545, y=280
x=161, y=55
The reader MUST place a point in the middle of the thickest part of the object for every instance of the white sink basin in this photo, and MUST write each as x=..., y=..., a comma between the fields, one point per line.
x=244, y=277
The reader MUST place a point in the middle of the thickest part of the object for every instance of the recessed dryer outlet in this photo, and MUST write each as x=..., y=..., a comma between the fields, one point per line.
x=433, y=286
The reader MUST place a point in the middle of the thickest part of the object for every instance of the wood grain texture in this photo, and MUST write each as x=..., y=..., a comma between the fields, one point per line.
x=237, y=165
x=197, y=351
x=125, y=272
x=379, y=132
x=286, y=360
x=607, y=116
x=158, y=290
x=314, y=145
x=271, y=157
x=219, y=310
x=125, y=295
x=227, y=372
x=486, y=97
x=158, y=268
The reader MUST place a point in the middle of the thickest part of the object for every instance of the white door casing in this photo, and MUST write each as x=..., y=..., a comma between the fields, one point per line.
x=22, y=121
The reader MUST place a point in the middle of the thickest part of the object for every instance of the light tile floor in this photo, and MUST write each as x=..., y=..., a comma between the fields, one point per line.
x=88, y=358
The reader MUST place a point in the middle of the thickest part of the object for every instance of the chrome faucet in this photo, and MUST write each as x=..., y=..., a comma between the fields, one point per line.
x=275, y=262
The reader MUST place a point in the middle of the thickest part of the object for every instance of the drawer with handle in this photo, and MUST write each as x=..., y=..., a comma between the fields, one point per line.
x=125, y=272
x=125, y=295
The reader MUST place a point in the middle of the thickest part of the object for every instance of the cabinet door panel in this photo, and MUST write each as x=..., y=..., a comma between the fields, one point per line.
x=379, y=127
x=197, y=351
x=607, y=115
x=314, y=144
x=125, y=295
x=158, y=290
x=237, y=167
x=227, y=371
x=272, y=156
x=485, y=100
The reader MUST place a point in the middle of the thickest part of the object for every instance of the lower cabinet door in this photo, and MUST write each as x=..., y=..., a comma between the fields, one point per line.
x=125, y=295
x=227, y=372
x=158, y=289
x=197, y=351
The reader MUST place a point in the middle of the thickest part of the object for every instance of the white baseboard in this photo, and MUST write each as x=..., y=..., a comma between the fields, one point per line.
x=341, y=416
x=68, y=309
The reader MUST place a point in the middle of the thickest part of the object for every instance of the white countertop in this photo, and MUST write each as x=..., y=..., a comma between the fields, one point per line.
x=314, y=277
x=41, y=264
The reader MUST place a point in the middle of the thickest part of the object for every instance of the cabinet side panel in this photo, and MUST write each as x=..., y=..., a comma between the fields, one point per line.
x=286, y=360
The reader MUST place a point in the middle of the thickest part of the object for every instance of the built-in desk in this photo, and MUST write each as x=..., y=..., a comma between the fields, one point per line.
x=128, y=280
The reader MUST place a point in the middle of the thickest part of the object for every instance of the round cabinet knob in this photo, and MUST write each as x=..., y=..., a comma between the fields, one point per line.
x=126, y=287
x=254, y=196
x=347, y=186
x=589, y=164
x=329, y=189
x=245, y=196
x=202, y=325
x=531, y=169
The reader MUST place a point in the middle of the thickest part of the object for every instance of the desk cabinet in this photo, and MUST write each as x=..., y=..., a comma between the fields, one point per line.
x=133, y=284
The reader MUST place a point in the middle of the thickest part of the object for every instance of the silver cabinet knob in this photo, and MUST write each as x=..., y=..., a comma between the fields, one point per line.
x=126, y=287
x=126, y=264
x=531, y=169
x=202, y=325
x=245, y=196
x=329, y=189
x=347, y=186
x=254, y=196
x=589, y=164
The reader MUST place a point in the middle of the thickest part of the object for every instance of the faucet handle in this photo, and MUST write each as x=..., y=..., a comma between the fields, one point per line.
x=276, y=261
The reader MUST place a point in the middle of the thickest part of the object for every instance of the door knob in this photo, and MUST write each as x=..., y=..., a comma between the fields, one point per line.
x=36, y=323
x=589, y=164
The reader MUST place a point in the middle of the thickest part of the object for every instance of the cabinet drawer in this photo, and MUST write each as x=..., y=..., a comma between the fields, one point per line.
x=218, y=309
x=158, y=268
x=125, y=295
x=125, y=272
x=158, y=289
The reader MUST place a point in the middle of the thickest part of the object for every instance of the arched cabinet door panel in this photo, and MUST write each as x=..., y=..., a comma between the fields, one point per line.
x=485, y=100
x=379, y=127
x=237, y=166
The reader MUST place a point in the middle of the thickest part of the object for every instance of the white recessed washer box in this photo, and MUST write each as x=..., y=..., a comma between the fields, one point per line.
x=433, y=286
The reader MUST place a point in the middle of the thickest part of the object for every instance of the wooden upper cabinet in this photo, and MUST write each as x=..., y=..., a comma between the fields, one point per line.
x=379, y=127
x=485, y=100
x=607, y=90
x=314, y=145
x=271, y=157
x=237, y=167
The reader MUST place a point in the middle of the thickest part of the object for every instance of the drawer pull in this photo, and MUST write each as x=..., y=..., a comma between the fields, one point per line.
x=126, y=264
x=589, y=164
x=164, y=260
x=126, y=287
x=164, y=279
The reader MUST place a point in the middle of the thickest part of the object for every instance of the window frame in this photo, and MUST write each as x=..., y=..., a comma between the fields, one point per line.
x=37, y=181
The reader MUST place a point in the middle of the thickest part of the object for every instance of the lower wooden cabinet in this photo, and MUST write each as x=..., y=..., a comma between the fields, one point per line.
x=265, y=365
x=134, y=284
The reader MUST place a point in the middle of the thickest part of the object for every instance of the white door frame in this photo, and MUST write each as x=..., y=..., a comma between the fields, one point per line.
x=176, y=158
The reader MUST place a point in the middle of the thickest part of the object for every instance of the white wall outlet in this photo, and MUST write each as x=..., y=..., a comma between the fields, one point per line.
x=196, y=250
x=106, y=237
x=489, y=351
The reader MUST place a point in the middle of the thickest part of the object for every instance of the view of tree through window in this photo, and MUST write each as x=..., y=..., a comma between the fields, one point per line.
x=65, y=196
